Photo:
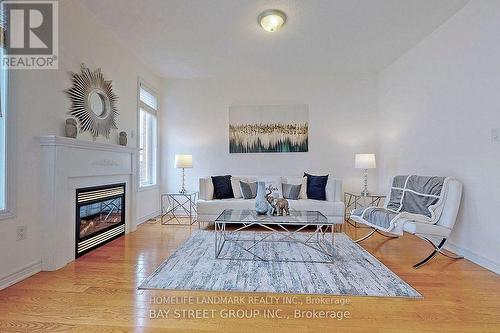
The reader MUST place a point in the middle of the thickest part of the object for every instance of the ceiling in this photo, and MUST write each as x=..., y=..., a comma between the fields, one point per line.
x=221, y=38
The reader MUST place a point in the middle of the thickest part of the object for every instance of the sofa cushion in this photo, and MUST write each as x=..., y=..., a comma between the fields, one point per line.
x=214, y=208
x=248, y=190
x=291, y=191
x=222, y=187
x=316, y=186
x=326, y=208
x=273, y=182
x=235, y=184
x=298, y=181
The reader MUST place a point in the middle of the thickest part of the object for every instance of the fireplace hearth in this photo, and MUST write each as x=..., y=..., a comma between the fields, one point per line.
x=100, y=216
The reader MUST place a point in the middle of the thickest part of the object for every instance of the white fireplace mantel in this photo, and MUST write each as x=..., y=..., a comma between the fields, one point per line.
x=68, y=164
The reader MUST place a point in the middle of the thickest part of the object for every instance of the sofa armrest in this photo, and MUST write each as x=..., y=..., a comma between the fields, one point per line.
x=206, y=188
x=334, y=190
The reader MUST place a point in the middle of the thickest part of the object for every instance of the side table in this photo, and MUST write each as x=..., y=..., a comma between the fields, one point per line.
x=176, y=200
x=356, y=200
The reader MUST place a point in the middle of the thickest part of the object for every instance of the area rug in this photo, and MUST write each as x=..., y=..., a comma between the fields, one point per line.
x=353, y=271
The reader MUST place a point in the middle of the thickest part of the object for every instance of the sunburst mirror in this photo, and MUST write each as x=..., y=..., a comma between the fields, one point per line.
x=93, y=102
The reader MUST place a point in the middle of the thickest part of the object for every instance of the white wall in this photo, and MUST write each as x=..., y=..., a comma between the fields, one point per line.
x=40, y=106
x=342, y=112
x=438, y=104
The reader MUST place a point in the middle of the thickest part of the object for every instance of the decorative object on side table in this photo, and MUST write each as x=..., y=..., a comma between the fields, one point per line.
x=186, y=202
x=183, y=161
x=70, y=129
x=93, y=102
x=122, y=139
x=365, y=162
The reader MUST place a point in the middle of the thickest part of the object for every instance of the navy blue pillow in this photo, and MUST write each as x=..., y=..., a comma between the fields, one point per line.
x=222, y=187
x=316, y=186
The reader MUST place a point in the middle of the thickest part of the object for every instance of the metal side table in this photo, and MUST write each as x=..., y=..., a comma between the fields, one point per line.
x=356, y=200
x=174, y=201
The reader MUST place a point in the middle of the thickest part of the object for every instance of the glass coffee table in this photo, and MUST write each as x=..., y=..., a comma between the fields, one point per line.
x=277, y=229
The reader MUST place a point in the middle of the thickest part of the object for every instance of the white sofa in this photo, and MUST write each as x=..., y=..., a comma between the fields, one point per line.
x=209, y=208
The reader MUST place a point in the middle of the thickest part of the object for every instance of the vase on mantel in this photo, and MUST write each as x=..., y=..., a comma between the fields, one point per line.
x=70, y=129
x=261, y=204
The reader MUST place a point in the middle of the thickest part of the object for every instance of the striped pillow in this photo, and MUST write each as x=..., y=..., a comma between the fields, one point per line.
x=248, y=190
x=291, y=191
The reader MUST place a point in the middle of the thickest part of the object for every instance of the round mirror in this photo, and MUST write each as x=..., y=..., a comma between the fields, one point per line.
x=97, y=103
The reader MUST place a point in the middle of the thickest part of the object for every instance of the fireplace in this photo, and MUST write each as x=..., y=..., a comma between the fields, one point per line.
x=100, y=216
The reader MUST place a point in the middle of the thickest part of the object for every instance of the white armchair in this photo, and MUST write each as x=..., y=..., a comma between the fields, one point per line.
x=435, y=229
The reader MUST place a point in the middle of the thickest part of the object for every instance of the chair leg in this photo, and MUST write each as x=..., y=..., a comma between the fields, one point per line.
x=372, y=232
x=386, y=235
x=437, y=249
x=450, y=255
x=365, y=237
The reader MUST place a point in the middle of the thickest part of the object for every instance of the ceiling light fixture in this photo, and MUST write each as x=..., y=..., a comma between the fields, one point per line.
x=272, y=20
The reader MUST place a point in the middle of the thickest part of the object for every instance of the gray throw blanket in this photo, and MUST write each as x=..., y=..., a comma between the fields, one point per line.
x=417, y=198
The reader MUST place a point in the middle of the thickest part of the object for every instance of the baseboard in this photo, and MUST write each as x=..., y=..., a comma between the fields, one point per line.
x=20, y=274
x=146, y=217
x=474, y=257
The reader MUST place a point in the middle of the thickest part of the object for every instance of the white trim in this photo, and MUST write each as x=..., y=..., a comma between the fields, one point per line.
x=10, y=158
x=20, y=274
x=149, y=87
x=146, y=217
x=474, y=257
x=148, y=109
x=54, y=140
x=146, y=188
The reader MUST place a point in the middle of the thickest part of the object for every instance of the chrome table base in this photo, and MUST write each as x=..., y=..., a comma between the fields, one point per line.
x=321, y=240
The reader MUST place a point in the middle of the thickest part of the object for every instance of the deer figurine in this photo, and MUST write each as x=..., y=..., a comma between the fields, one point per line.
x=270, y=199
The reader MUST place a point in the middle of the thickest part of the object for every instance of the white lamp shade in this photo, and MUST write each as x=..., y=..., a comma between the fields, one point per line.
x=183, y=161
x=365, y=161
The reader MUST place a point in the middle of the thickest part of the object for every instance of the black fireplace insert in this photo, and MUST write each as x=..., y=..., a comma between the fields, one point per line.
x=100, y=216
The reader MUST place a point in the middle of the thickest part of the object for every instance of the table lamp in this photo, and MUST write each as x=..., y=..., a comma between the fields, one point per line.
x=183, y=162
x=365, y=162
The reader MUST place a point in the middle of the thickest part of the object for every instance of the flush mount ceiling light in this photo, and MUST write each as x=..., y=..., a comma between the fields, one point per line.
x=272, y=20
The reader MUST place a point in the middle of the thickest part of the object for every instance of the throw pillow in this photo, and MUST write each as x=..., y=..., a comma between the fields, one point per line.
x=298, y=181
x=303, y=189
x=222, y=187
x=316, y=186
x=274, y=183
x=291, y=191
x=235, y=184
x=248, y=190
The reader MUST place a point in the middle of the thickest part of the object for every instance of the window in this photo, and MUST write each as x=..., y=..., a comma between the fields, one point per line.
x=3, y=129
x=148, y=108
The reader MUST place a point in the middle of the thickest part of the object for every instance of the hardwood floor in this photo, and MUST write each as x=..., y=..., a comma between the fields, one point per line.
x=98, y=293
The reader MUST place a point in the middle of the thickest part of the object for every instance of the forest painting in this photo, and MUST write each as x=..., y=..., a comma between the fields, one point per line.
x=268, y=129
